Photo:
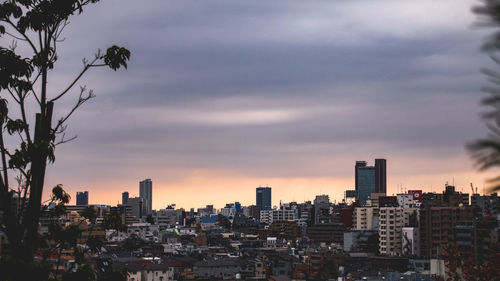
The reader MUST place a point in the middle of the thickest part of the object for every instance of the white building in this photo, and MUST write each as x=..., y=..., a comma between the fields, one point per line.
x=271, y=242
x=405, y=200
x=266, y=216
x=392, y=221
x=391, y=224
x=228, y=211
x=270, y=216
x=113, y=235
x=157, y=272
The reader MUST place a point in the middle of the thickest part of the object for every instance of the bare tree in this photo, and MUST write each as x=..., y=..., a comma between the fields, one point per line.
x=37, y=26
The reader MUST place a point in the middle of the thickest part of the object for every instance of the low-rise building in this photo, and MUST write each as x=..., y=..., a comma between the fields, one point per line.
x=157, y=272
x=220, y=269
x=270, y=216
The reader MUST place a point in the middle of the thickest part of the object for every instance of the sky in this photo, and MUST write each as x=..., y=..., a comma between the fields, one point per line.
x=222, y=96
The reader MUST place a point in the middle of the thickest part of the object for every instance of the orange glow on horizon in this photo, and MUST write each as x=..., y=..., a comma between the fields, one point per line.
x=216, y=189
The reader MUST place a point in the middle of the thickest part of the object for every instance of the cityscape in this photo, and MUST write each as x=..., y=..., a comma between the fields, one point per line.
x=370, y=235
x=284, y=140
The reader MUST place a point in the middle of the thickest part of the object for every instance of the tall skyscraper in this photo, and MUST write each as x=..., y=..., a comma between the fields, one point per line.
x=146, y=192
x=124, y=198
x=365, y=181
x=263, y=200
x=380, y=176
x=82, y=198
x=358, y=165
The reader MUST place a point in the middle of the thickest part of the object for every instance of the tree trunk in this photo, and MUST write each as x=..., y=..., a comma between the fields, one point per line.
x=40, y=153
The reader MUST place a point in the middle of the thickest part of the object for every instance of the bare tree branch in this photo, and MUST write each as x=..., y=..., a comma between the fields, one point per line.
x=81, y=100
x=85, y=69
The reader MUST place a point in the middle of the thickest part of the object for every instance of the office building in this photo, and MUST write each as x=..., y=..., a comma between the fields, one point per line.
x=322, y=209
x=365, y=183
x=437, y=226
x=359, y=164
x=486, y=205
x=124, y=198
x=146, y=193
x=138, y=207
x=82, y=198
x=263, y=198
x=380, y=176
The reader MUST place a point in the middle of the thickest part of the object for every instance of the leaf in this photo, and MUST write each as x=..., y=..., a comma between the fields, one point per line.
x=16, y=126
x=116, y=57
x=58, y=194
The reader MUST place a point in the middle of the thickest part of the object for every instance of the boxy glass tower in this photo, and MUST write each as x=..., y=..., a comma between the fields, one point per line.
x=263, y=198
x=82, y=198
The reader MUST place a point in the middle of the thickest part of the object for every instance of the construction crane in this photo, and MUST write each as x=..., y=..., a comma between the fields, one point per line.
x=472, y=188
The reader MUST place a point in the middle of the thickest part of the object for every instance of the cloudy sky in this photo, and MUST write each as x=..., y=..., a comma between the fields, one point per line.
x=223, y=96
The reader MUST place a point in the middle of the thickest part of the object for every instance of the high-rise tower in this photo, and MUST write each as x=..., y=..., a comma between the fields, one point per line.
x=82, y=198
x=263, y=198
x=146, y=192
x=358, y=165
x=366, y=183
x=380, y=176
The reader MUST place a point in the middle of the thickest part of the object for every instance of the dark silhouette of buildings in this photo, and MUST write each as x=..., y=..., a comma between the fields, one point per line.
x=124, y=198
x=380, y=176
x=82, y=198
x=439, y=217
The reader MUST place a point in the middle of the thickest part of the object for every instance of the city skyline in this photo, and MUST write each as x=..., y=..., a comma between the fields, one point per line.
x=287, y=140
x=247, y=197
x=288, y=95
